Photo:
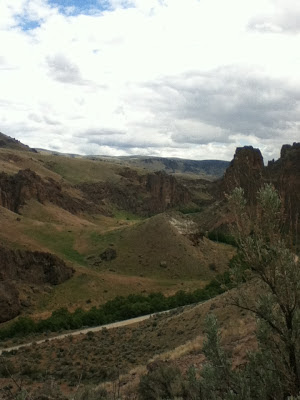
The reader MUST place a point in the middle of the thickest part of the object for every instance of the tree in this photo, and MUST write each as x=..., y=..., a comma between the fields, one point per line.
x=274, y=271
x=267, y=274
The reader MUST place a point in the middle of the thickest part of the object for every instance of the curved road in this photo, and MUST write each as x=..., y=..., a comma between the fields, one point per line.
x=84, y=331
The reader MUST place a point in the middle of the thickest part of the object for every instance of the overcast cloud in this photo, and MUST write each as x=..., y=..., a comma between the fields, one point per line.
x=191, y=79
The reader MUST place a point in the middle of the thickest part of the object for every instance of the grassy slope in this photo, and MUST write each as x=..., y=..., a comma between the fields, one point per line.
x=72, y=170
x=140, y=246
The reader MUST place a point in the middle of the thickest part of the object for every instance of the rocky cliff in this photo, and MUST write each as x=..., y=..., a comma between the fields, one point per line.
x=142, y=194
x=26, y=267
x=247, y=170
x=285, y=175
x=10, y=305
x=15, y=190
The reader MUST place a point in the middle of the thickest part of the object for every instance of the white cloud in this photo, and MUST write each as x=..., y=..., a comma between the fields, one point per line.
x=283, y=17
x=162, y=77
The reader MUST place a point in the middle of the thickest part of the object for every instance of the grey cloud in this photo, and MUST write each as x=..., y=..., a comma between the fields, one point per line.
x=34, y=117
x=200, y=135
x=126, y=141
x=233, y=101
x=40, y=119
x=18, y=129
x=286, y=19
x=50, y=121
x=123, y=144
x=101, y=132
x=62, y=70
x=5, y=66
x=287, y=23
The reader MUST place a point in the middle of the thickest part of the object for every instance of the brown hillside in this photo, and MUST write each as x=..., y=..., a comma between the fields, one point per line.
x=10, y=143
x=161, y=247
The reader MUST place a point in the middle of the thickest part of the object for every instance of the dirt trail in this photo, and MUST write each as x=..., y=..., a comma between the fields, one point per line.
x=83, y=331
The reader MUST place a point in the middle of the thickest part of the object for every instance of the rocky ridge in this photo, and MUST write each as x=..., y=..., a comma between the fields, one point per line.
x=145, y=195
x=21, y=266
x=15, y=190
x=247, y=170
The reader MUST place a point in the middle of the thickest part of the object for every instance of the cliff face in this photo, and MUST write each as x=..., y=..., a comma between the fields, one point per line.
x=27, y=267
x=285, y=175
x=9, y=301
x=33, y=267
x=26, y=184
x=248, y=171
x=165, y=192
x=146, y=195
x=245, y=170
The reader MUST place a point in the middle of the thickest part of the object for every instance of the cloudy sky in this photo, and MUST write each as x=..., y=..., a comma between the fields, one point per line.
x=177, y=78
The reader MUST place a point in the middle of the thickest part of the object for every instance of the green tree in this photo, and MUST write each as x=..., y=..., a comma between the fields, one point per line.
x=273, y=270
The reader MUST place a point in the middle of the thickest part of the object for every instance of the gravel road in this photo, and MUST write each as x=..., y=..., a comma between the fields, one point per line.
x=83, y=331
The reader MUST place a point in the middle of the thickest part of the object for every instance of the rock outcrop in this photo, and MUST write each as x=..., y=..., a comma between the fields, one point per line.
x=285, y=176
x=246, y=170
x=26, y=267
x=26, y=184
x=33, y=267
x=165, y=192
x=9, y=301
x=147, y=194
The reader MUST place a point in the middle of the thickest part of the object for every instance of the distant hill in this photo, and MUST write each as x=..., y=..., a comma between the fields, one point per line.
x=7, y=142
x=204, y=168
x=211, y=169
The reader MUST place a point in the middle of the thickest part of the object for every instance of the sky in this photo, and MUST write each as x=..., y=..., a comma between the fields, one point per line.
x=173, y=78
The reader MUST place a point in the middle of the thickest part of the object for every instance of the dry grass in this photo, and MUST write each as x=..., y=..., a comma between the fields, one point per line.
x=77, y=170
x=11, y=161
x=142, y=247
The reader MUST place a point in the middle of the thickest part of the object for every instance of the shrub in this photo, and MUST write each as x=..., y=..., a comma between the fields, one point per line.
x=164, y=382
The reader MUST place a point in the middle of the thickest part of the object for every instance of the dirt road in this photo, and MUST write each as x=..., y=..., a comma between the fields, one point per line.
x=83, y=331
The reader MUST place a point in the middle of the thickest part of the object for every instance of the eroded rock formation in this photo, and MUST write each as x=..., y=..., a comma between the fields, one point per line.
x=143, y=194
x=21, y=266
x=285, y=175
x=9, y=301
x=246, y=170
x=26, y=184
